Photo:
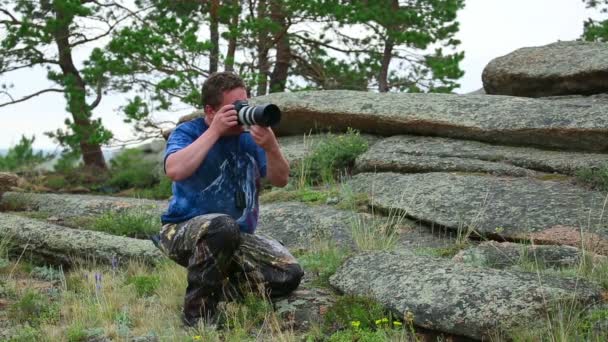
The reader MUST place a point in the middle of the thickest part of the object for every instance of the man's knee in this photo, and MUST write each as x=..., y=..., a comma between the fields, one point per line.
x=290, y=278
x=223, y=234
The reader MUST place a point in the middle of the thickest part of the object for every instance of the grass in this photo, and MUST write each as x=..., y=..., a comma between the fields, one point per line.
x=596, y=178
x=322, y=261
x=131, y=223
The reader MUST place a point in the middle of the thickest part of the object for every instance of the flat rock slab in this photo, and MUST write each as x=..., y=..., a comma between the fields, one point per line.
x=561, y=68
x=414, y=154
x=457, y=298
x=304, y=307
x=506, y=254
x=496, y=119
x=510, y=208
x=63, y=205
x=59, y=245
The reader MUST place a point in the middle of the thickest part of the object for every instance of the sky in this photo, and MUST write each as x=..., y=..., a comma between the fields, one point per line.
x=488, y=29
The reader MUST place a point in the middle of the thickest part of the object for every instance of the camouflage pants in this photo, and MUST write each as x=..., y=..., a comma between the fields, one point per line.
x=222, y=261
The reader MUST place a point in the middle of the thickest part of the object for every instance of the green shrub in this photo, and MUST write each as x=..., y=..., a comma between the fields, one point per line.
x=333, y=155
x=359, y=335
x=323, y=263
x=597, y=178
x=21, y=157
x=34, y=308
x=247, y=314
x=68, y=161
x=129, y=169
x=145, y=285
x=129, y=223
x=46, y=273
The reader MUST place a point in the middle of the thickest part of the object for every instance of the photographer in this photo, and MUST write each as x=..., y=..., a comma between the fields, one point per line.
x=209, y=226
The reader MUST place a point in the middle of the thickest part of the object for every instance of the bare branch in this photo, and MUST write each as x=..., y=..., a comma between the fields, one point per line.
x=13, y=19
x=32, y=95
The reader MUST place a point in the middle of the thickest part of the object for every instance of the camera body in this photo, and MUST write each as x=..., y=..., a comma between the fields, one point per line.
x=263, y=115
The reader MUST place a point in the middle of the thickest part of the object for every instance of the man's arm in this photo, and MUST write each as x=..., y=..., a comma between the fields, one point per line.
x=277, y=167
x=183, y=163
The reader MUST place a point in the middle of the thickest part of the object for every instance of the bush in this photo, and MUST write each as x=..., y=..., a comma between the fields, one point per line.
x=597, y=178
x=129, y=169
x=145, y=285
x=334, y=154
x=34, y=308
x=21, y=157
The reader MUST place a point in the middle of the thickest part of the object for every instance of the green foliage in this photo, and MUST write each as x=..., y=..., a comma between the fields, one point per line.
x=129, y=223
x=68, y=161
x=597, y=178
x=129, y=169
x=335, y=154
x=26, y=334
x=596, y=30
x=349, y=309
x=46, y=273
x=162, y=190
x=322, y=263
x=21, y=157
x=34, y=308
x=145, y=285
x=360, y=335
x=76, y=333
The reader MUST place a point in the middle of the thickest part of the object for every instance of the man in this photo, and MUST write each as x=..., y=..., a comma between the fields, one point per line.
x=216, y=168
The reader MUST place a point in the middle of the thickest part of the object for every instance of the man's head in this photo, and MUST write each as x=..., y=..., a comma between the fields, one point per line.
x=220, y=89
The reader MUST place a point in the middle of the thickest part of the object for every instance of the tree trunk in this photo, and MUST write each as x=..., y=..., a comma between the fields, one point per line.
x=262, y=47
x=234, y=23
x=214, y=36
x=386, y=61
x=387, y=55
x=58, y=245
x=278, y=78
x=76, y=96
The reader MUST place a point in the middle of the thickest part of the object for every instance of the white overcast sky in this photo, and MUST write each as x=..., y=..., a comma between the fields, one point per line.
x=488, y=29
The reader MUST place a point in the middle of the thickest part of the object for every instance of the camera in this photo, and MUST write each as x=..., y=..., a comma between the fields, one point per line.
x=263, y=115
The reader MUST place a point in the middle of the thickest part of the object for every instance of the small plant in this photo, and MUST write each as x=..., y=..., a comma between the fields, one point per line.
x=26, y=334
x=145, y=285
x=129, y=223
x=597, y=178
x=162, y=190
x=47, y=273
x=251, y=312
x=348, y=309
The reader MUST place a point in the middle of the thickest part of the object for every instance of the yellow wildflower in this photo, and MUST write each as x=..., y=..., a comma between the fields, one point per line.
x=355, y=324
x=397, y=324
x=197, y=338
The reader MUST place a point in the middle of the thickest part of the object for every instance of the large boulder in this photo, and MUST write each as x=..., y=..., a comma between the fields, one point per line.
x=561, y=68
x=457, y=298
x=549, y=212
x=496, y=119
x=413, y=154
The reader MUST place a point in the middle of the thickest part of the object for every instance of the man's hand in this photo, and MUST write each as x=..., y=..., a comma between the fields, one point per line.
x=264, y=137
x=223, y=120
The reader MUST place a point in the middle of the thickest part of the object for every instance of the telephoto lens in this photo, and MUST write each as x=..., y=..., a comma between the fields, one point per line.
x=263, y=115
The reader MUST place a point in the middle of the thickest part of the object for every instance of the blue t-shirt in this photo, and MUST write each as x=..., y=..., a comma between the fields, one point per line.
x=234, y=162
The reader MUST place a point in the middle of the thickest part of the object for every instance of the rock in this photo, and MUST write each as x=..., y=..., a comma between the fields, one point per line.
x=510, y=208
x=457, y=298
x=7, y=181
x=495, y=119
x=79, y=190
x=59, y=245
x=506, y=254
x=561, y=68
x=304, y=307
x=414, y=154
x=63, y=205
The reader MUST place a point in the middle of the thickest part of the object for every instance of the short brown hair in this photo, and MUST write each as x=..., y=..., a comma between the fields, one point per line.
x=215, y=86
